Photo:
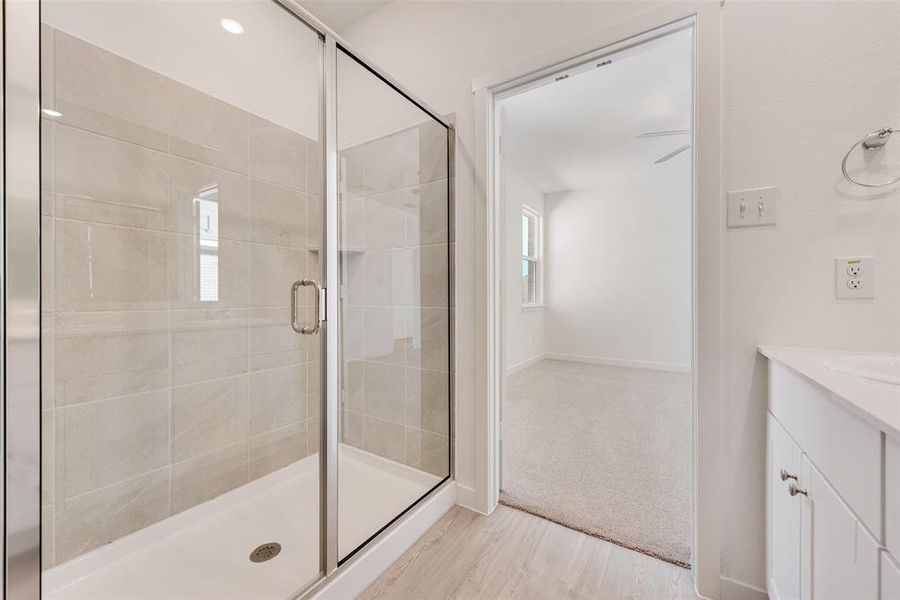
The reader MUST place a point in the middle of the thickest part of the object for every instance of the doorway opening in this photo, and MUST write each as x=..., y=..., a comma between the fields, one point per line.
x=595, y=175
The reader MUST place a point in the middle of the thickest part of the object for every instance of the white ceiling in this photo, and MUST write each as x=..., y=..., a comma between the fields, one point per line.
x=581, y=132
x=341, y=14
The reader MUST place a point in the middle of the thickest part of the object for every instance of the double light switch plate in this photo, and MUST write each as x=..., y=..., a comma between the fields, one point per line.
x=751, y=208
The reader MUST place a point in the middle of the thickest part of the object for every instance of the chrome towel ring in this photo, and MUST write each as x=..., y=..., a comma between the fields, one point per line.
x=872, y=142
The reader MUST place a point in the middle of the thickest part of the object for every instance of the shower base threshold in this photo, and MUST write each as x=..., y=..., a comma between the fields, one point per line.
x=204, y=551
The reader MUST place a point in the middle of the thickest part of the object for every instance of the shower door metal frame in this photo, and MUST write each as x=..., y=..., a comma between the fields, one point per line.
x=21, y=301
x=20, y=397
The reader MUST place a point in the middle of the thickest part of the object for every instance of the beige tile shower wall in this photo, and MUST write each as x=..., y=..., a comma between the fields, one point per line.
x=167, y=381
x=395, y=299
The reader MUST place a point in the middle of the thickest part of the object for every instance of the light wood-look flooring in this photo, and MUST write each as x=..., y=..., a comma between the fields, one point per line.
x=513, y=554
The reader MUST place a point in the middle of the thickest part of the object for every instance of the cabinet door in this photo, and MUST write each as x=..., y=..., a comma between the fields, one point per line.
x=839, y=556
x=782, y=516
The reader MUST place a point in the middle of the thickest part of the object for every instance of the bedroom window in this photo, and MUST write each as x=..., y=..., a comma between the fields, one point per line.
x=531, y=257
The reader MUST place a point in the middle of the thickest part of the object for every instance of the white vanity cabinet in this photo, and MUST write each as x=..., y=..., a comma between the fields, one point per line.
x=832, y=492
x=816, y=547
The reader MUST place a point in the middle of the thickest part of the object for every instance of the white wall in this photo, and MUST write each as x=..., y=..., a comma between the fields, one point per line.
x=525, y=329
x=619, y=270
x=801, y=81
x=798, y=89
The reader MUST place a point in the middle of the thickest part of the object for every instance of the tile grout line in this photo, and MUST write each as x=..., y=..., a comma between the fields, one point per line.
x=170, y=153
x=179, y=386
x=171, y=366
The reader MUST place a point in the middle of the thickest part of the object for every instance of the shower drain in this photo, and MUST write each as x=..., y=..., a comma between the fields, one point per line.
x=265, y=552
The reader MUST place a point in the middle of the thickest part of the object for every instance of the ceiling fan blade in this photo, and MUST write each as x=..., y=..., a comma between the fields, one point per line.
x=671, y=154
x=651, y=134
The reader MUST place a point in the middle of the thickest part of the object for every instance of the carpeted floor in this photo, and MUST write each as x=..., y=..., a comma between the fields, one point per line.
x=605, y=450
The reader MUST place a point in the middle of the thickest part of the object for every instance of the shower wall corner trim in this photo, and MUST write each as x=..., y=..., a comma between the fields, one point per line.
x=21, y=301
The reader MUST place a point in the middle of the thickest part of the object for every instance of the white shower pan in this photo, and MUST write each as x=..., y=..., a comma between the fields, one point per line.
x=203, y=553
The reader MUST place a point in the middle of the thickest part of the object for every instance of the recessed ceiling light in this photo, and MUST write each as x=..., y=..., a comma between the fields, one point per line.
x=51, y=113
x=232, y=26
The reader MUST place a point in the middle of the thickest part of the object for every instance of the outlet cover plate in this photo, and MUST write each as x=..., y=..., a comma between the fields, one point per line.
x=751, y=208
x=854, y=277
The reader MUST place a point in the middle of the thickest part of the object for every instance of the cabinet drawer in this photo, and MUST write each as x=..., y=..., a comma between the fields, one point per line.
x=837, y=441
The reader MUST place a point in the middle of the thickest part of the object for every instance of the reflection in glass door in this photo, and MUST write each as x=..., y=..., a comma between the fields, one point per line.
x=393, y=253
x=180, y=203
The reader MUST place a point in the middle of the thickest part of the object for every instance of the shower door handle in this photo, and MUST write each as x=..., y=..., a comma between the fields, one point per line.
x=307, y=329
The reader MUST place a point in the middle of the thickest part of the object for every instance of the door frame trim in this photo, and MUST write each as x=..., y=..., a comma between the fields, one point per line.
x=706, y=304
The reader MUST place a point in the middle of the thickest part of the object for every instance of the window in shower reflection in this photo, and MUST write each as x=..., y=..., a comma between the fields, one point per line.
x=206, y=211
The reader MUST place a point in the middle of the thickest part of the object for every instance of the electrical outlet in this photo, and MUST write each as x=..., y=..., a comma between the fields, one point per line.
x=751, y=208
x=854, y=277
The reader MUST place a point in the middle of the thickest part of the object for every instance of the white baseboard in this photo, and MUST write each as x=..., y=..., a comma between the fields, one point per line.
x=731, y=589
x=371, y=562
x=524, y=364
x=621, y=362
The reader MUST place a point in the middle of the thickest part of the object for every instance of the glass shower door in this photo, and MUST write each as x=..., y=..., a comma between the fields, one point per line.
x=394, y=257
x=180, y=203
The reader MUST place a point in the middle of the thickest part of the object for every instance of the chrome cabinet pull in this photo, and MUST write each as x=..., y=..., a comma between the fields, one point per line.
x=785, y=476
x=793, y=490
x=308, y=329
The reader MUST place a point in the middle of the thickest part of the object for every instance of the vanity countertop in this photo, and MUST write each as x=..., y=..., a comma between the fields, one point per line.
x=875, y=401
